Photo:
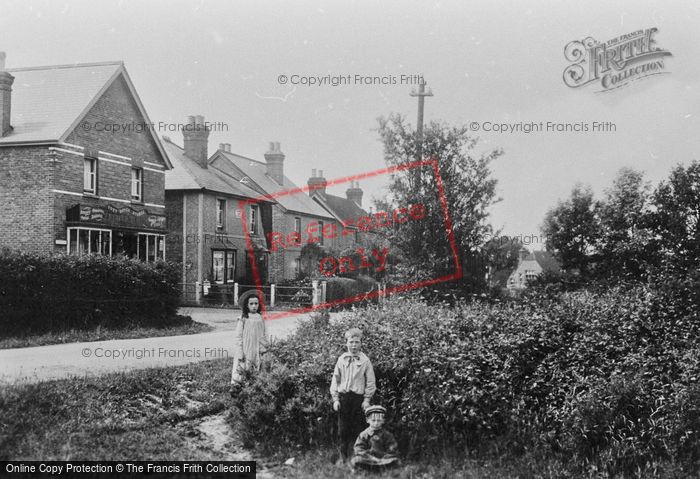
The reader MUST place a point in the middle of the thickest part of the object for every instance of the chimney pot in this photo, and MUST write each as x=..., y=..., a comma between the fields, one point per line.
x=196, y=141
x=275, y=162
x=317, y=183
x=354, y=193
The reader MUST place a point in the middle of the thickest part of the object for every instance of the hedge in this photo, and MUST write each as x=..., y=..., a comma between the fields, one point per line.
x=606, y=381
x=43, y=293
x=342, y=288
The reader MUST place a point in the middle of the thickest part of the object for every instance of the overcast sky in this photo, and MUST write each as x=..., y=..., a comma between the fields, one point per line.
x=496, y=61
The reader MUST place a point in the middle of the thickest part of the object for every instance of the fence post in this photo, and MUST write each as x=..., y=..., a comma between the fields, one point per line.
x=314, y=295
x=197, y=292
x=235, y=293
x=323, y=291
x=272, y=295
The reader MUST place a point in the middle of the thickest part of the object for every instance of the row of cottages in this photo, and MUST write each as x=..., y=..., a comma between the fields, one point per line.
x=68, y=183
x=203, y=198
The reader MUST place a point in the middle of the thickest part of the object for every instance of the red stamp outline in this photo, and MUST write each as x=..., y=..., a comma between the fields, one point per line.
x=433, y=162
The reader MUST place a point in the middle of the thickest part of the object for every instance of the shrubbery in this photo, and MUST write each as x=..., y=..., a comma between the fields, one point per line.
x=607, y=381
x=41, y=293
x=345, y=288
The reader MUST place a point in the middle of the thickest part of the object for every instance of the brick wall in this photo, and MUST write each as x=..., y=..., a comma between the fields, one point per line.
x=26, y=201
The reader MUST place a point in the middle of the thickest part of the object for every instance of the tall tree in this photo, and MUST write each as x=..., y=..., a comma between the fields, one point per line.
x=623, y=245
x=571, y=229
x=675, y=216
x=469, y=191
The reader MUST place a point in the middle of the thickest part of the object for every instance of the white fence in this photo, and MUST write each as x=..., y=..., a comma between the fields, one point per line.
x=207, y=293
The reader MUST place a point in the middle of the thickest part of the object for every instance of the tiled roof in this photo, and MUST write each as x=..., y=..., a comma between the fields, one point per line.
x=46, y=101
x=188, y=175
x=298, y=202
x=343, y=208
x=545, y=259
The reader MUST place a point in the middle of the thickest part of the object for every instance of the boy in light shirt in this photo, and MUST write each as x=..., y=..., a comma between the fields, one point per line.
x=352, y=388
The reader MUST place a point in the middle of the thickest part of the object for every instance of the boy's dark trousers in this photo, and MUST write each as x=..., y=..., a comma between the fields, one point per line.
x=351, y=421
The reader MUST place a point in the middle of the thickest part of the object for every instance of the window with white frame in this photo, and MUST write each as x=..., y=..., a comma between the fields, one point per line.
x=83, y=241
x=223, y=266
x=220, y=213
x=137, y=184
x=90, y=175
x=254, y=213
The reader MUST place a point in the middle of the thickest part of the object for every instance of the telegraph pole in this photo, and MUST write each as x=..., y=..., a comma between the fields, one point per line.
x=421, y=94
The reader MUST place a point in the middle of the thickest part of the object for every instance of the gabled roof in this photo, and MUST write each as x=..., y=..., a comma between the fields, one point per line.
x=546, y=260
x=342, y=208
x=188, y=175
x=299, y=202
x=49, y=102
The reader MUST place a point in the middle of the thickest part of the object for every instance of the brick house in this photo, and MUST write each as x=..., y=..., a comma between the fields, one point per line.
x=81, y=171
x=346, y=211
x=204, y=218
x=531, y=265
x=296, y=213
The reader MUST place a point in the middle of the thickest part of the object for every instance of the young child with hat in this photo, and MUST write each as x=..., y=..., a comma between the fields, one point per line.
x=375, y=447
x=352, y=387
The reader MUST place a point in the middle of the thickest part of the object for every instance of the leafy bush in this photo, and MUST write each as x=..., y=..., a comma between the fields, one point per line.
x=41, y=293
x=605, y=379
x=344, y=288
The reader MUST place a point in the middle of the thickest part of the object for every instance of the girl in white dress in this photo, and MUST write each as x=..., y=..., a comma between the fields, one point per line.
x=250, y=339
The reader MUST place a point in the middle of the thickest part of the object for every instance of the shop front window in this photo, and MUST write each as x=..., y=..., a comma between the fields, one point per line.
x=83, y=241
x=151, y=247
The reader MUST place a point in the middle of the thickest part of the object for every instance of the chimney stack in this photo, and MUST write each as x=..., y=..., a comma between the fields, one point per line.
x=317, y=184
x=354, y=193
x=6, y=81
x=275, y=162
x=196, y=137
x=523, y=253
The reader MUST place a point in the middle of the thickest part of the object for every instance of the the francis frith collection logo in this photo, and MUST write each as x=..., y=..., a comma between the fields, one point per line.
x=615, y=63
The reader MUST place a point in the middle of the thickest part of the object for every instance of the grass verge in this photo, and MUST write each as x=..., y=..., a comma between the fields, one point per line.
x=180, y=325
x=148, y=414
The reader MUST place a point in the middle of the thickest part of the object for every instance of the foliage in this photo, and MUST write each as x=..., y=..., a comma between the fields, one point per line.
x=41, y=293
x=631, y=232
x=338, y=289
x=675, y=219
x=469, y=191
x=605, y=380
x=309, y=258
x=622, y=247
x=571, y=229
